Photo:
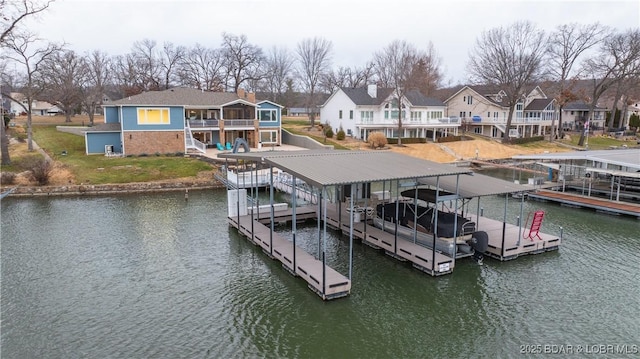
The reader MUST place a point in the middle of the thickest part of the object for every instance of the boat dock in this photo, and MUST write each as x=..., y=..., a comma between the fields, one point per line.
x=340, y=183
x=322, y=279
x=507, y=241
x=580, y=201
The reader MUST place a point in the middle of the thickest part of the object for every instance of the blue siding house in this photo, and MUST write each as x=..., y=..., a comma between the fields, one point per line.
x=182, y=120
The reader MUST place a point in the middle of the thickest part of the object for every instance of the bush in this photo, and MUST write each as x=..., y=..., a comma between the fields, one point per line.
x=377, y=140
x=340, y=135
x=449, y=139
x=329, y=132
x=7, y=178
x=406, y=140
x=40, y=170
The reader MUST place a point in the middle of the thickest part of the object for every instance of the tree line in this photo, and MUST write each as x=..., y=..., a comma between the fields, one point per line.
x=509, y=57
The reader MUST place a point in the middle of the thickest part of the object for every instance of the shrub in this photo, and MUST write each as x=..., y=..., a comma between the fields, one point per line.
x=377, y=140
x=340, y=135
x=328, y=132
x=39, y=170
x=7, y=178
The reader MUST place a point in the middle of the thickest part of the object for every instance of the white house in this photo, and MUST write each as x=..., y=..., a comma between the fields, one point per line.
x=38, y=108
x=361, y=111
x=483, y=110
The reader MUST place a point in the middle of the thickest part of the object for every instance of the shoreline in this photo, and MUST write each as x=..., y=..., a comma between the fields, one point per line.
x=110, y=189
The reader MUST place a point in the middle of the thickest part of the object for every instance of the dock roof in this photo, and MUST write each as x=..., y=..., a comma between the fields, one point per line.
x=477, y=185
x=626, y=158
x=338, y=167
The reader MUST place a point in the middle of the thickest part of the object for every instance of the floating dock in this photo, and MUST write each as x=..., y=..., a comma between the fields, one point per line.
x=339, y=184
x=580, y=201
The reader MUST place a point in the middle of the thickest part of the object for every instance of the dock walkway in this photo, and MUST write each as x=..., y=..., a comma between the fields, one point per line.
x=581, y=201
x=327, y=283
x=512, y=249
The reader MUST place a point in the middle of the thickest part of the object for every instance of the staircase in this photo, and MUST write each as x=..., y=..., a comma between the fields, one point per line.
x=502, y=128
x=190, y=142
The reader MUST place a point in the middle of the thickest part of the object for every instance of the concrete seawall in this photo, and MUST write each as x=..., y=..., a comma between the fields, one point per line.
x=110, y=189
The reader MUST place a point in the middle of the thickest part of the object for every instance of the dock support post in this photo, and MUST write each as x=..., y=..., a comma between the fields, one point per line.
x=324, y=242
x=352, y=212
x=271, y=197
x=504, y=225
x=294, y=195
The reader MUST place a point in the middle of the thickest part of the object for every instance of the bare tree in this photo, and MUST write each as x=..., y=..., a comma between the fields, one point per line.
x=617, y=60
x=242, y=60
x=347, y=77
x=148, y=64
x=64, y=72
x=566, y=45
x=279, y=66
x=202, y=68
x=12, y=12
x=426, y=75
x=394, y=66
x=23, y=54
x=169, y=62
x=97, y=76
x=314, y=60
x=510, y=58
x=126, y=76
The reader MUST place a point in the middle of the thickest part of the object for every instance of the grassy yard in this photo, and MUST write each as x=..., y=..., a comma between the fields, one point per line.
x=599, y=142
x=98, y=169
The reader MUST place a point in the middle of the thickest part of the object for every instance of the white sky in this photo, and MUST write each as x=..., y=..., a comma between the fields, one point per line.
x=357, y=28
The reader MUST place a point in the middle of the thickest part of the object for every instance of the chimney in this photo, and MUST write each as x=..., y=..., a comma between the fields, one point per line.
x=241, y=93
x=372, y=90
x=251, y=97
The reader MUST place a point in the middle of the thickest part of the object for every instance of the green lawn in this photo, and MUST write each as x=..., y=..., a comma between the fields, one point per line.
x=98, y=169
x=598, y=142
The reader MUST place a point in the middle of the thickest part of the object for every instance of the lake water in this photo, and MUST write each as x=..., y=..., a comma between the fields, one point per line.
x=154, y=275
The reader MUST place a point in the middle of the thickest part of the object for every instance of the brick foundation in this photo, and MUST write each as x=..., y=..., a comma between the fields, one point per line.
x=151, y=142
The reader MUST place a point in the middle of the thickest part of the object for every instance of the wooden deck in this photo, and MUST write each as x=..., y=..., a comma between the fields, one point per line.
x=328, y=284
x=576, y=200
x=512, y=250
x=421, y=257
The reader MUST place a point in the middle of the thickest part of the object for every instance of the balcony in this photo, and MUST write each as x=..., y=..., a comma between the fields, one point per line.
x=211, y=123
x=239, y=124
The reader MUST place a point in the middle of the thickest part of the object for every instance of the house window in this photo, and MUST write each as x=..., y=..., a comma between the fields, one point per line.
x=495, y=115
x=153, y=116
x=366, y=116
x=416, y=116
x=351, y=114
x=435, y=115
x=268, y=137
x=469, y=100
x=340, y=114
x=463, y=114
x=572, y=112
x=267, y=115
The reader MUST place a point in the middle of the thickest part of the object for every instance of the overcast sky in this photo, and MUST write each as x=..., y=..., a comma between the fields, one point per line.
x=357, y=28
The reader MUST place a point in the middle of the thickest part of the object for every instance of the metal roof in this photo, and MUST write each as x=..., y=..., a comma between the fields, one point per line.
x=327, y=168
x=477, y=185
x=626, y=158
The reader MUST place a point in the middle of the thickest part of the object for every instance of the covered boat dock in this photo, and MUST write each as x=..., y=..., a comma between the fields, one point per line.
x=347, y=177
x=605, y=180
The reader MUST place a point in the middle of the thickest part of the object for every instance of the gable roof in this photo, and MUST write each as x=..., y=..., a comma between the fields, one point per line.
x=490, y=92
x=360, y=96
x=539, y=104
x=181, y=96
x=580, y=106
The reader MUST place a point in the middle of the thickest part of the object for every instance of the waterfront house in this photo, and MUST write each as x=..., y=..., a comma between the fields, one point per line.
x=575, y=114
x=361, y=111
x=182, y=120
x=38, y=108
x=483, y=110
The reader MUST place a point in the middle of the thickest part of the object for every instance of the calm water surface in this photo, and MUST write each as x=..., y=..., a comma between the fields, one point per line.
x=155, y=276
